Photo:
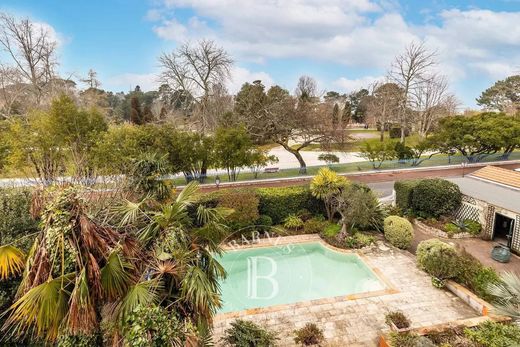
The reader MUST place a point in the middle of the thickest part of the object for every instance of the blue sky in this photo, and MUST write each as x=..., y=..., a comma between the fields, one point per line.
x=344, y=44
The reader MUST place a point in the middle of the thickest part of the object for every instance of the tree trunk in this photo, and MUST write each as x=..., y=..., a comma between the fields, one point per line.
x=297, y=154
x=403, y=133
x=382, y=135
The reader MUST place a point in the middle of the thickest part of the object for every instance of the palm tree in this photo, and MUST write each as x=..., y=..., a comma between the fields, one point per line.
x=182, y=244
x=75, y=266
x=326, y=185
x=506, y=295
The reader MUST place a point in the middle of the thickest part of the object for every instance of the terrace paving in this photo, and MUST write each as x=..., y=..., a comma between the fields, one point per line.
x=357, y=320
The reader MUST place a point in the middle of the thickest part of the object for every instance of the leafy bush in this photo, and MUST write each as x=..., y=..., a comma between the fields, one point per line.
x=247, y=334
x=435, y=197
x=398, y=318
x=314, y=226
x=398, y=231
x=438, y=259
x=332, y=229
x=15, y=217
x=293, y=222
x=309, y=335
x=244, y=203
x=264, y=222
x=152, y=326
x=475, y=276
x=278, y=203
x=79, y=341
x=359, y=240
x=493, y=334
x=473, y=227
x=451, y=229
x=403, y=193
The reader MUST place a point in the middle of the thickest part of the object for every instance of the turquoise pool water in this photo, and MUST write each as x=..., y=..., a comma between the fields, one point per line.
x=262, y=277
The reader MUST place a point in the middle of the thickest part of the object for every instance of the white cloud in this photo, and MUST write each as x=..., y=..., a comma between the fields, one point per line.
x=349, y=85
x=129, y=81
x=351, y=32
x=240, y=75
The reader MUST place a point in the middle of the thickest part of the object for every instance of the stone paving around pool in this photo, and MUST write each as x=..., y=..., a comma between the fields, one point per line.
x=358, y=320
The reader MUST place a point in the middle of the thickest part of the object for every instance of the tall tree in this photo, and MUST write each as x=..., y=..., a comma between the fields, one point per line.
x=31, y=49
x=503, y=96
x=409, y=71
x=198, y=70
x=306, y=89
x=384, y=105
x=278, y=117
x=91, y=80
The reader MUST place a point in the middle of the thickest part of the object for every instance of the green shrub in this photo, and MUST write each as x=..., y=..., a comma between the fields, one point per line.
x=309, y=335
x=247, y=334
x=15, y=216
x=152, y=326
x=332, y=229
x=293, y=222
x=79, y=341
x=438, y=259
x=403, y=193
x=398, y=231
x=493, y=334
x=435, y=197
x=264, y=223
x=314, y=226
x=244, y=202
x=475, y=276
x=359, y=240
x=398, y=318
x=278, y=203
x=451, y=229
x=473, y=227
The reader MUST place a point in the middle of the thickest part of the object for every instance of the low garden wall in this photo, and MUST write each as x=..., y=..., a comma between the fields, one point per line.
x=439, y=233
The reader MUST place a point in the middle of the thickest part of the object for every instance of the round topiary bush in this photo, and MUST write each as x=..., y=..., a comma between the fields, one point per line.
x=435, y=197
x=398, y=231
x=438, y=259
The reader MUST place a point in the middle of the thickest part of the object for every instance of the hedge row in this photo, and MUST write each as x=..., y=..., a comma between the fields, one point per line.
x=428, y=197
x=277, y=203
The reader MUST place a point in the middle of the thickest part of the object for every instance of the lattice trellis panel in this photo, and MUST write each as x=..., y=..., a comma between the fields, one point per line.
x=467, y=211
x=488, y=227
x=515, y=242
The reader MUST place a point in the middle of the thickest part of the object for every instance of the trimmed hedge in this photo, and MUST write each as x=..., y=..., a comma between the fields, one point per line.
x=15, y=218
x=279, y=203
x=438, y=259
x=398, y=231
x=403, y=193
x=435, y=197
x=244, y=202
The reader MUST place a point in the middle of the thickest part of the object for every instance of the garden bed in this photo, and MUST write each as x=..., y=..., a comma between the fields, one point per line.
x=432, y=228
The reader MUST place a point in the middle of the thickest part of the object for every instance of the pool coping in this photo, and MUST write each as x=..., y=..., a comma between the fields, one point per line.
x=298, y=239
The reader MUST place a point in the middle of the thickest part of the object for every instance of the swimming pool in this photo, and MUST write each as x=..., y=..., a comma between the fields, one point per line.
x=268, y=276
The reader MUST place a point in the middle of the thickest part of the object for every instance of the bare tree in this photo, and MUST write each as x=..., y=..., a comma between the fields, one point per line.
x=91, y=81
x=384, y=104
x=432, y=100
x=197, y=70
x=31, y=49
x=12, y=91
x=306, y=89
x=409, y=71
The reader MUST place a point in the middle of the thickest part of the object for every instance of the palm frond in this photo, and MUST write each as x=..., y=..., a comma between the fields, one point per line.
x=41, y=310
x=81, y=318
x=131, y=212
x=212, y=214
x=115, y=277
x=141, y=293
x=11, y=261
x=188, y=195
x=506, y=295
x=198, y=290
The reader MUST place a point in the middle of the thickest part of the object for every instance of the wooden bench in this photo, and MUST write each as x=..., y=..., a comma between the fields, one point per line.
x=271, y=170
